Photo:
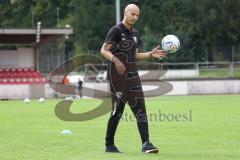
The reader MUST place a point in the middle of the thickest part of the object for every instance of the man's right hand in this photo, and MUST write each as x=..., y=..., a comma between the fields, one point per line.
x=119, y=65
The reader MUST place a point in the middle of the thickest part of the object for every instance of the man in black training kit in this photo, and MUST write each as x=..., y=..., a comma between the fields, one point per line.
x=122, y=49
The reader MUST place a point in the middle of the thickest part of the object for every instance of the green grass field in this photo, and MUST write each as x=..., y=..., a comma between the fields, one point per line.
x=218, y=73
x=33, y=132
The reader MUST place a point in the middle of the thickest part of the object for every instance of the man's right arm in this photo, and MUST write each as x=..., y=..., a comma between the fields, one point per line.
x=105, y=51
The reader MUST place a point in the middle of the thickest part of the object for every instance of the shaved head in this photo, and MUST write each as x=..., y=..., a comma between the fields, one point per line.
x=131, y=7
x=131, y=14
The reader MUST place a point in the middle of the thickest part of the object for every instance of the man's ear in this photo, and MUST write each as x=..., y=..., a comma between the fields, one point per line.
x=124, y=13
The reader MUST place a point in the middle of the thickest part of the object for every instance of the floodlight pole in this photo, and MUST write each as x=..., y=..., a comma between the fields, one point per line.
x=33, y=25
x=118, y=16
x=58, y=22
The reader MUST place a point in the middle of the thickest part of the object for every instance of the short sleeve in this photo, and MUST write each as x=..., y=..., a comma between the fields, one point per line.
x=112, y=35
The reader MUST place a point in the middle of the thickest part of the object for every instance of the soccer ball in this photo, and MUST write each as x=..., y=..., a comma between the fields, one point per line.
x=170, y=43
x=41, y=100
x=26, y=100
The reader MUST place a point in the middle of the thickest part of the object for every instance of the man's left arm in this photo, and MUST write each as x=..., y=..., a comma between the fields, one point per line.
x=155, y=53
x=140, y=55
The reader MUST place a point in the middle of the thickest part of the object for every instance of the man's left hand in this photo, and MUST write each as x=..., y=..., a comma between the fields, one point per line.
x=158, y=53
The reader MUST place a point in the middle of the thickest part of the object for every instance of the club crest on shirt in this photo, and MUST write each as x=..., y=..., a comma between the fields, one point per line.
x=135, y=39
x=119, y=94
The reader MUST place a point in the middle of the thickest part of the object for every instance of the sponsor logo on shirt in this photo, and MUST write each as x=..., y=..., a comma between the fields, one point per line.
x=123, y=37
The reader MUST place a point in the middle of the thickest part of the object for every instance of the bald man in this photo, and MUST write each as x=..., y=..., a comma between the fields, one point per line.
x=122, y=48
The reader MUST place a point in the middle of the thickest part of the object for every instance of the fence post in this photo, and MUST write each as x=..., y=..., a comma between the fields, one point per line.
x=196, y=66
x=231, y=71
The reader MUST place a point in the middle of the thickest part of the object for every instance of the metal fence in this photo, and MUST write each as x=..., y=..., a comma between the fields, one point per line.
x=50, y=56
x=203, y=69
x=189, y=70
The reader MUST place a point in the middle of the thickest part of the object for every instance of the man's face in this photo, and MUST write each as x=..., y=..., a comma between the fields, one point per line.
x=132, y=15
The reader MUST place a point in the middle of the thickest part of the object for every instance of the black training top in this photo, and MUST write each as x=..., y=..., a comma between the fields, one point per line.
x=124, y=40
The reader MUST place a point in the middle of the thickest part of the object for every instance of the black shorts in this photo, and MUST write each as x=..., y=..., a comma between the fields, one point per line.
x=126, y=90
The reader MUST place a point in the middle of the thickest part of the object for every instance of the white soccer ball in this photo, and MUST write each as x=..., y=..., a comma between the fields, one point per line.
x=41, y=100
x=26, y=100
x=170, y=43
